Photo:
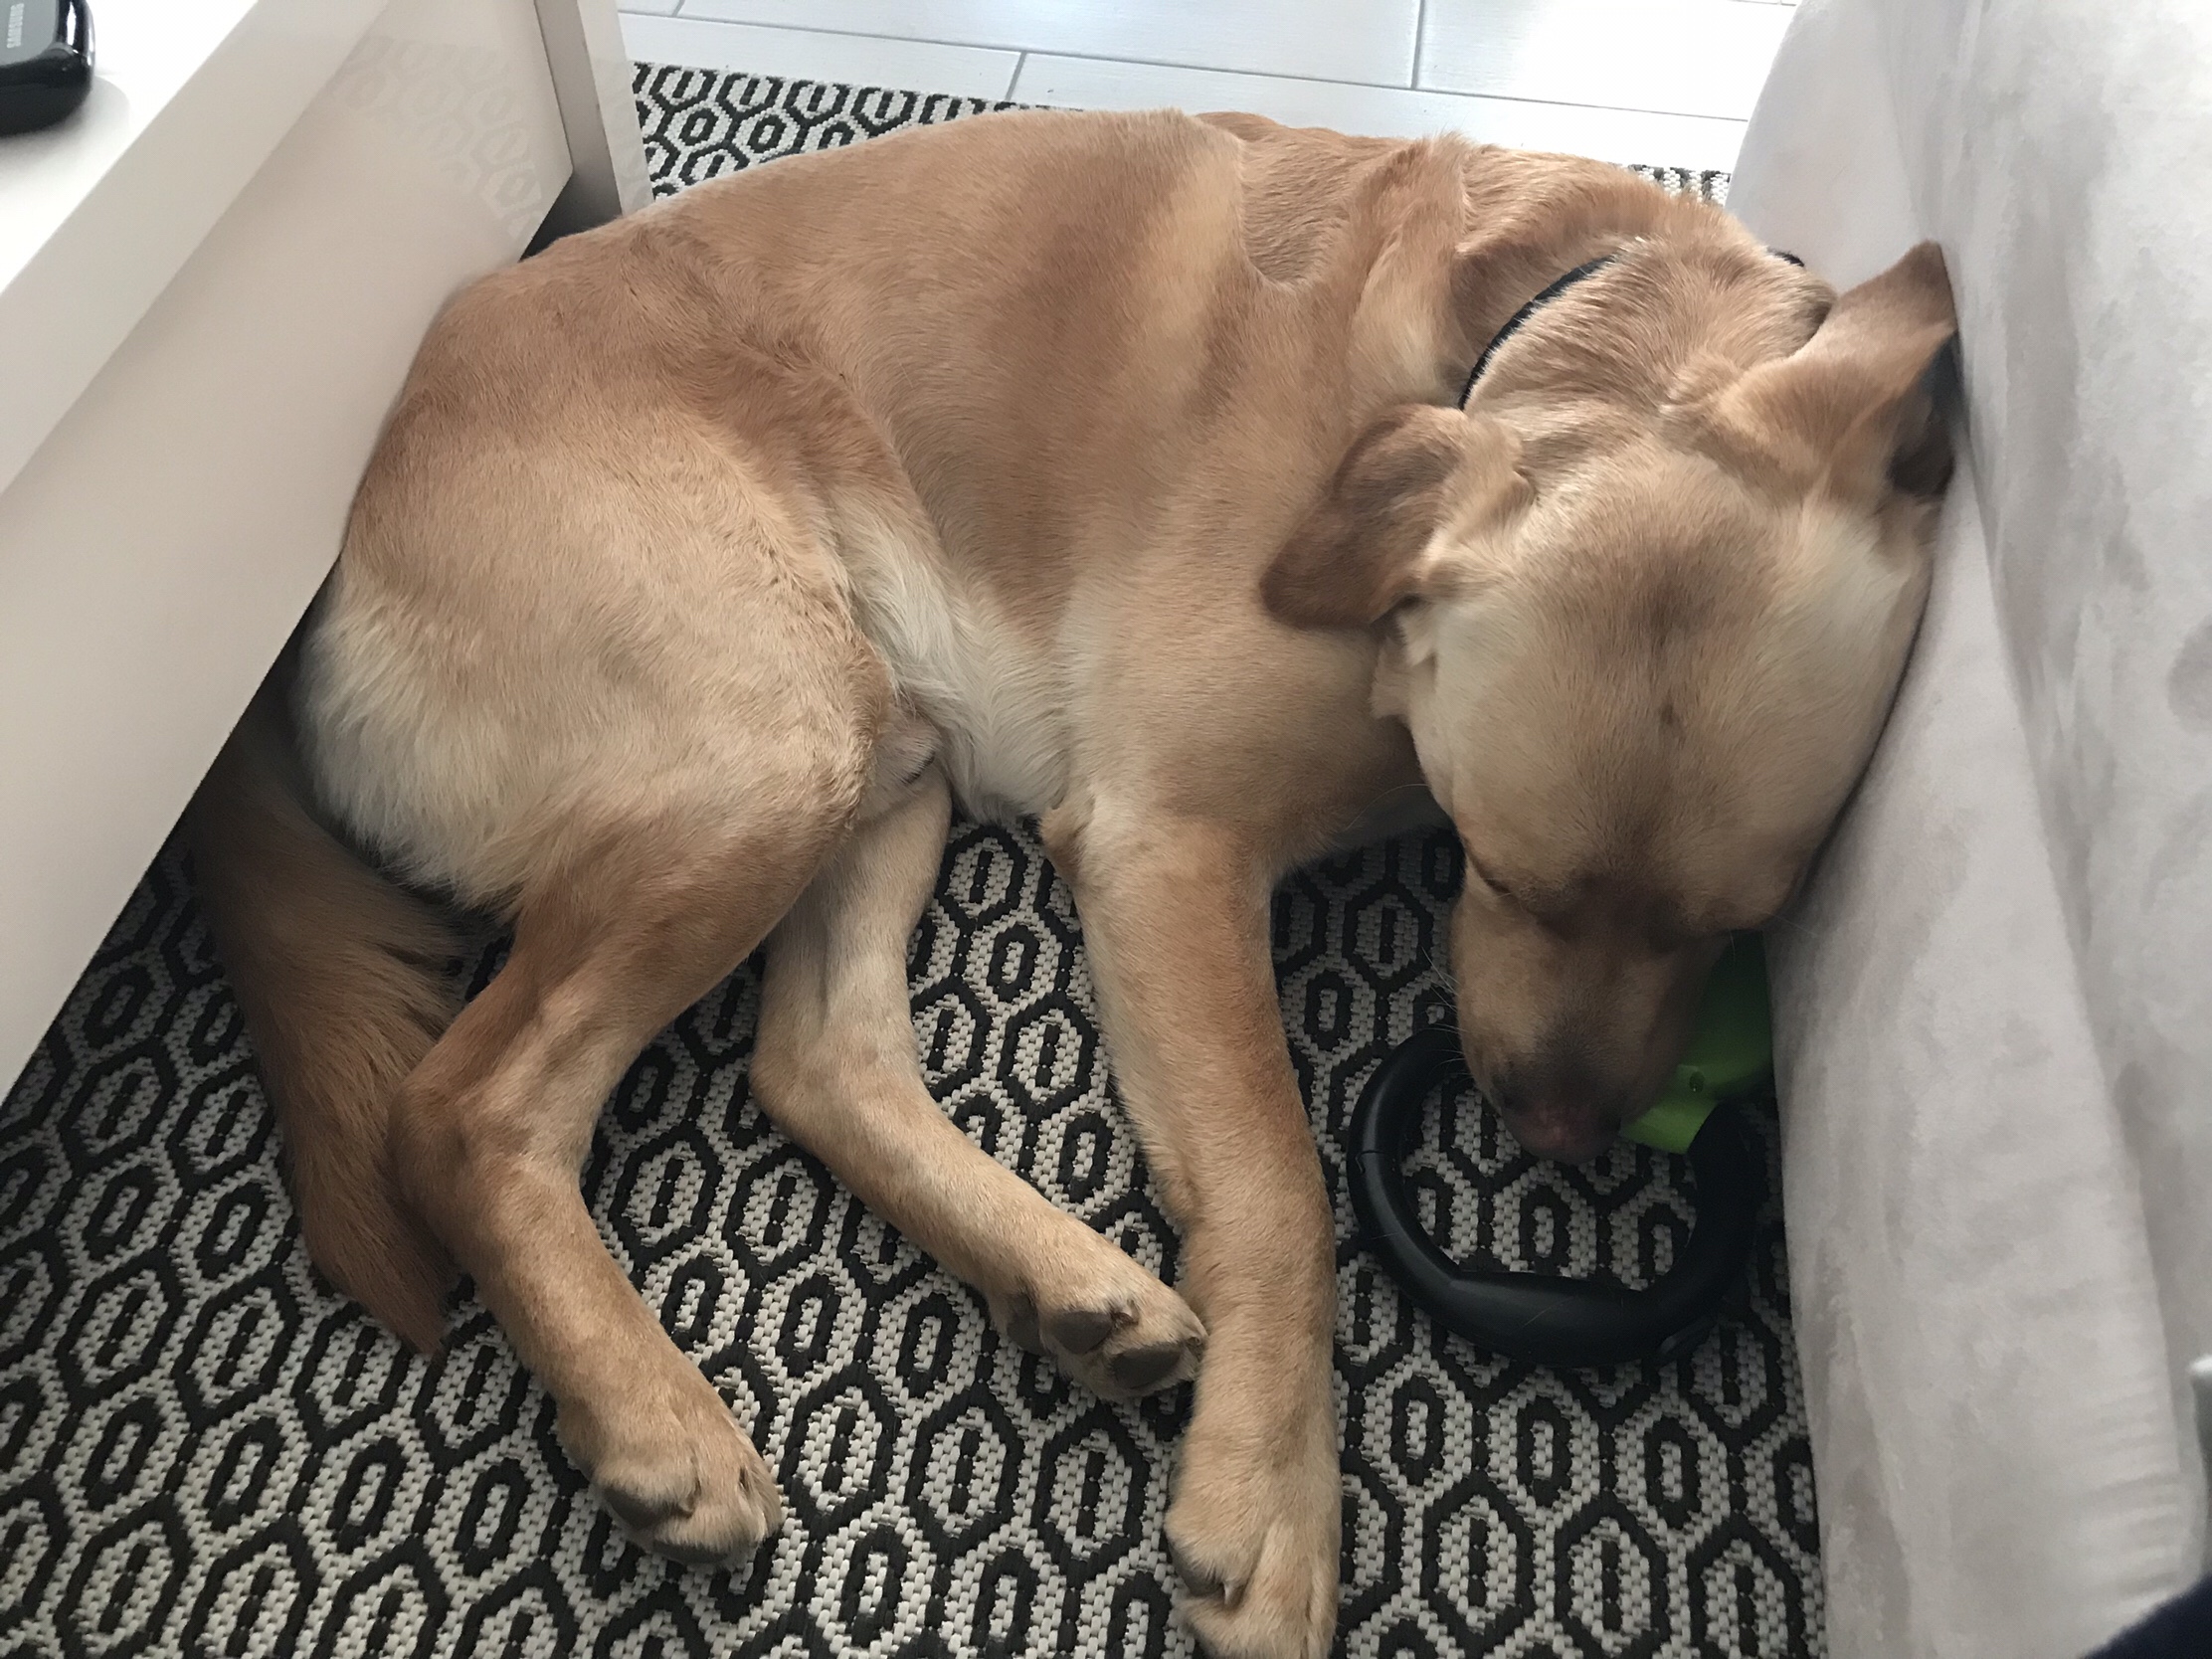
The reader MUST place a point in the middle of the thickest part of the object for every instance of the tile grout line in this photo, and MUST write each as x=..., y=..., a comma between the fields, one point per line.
x=1032, y=50
x=1014, y=80
x=1392, y=87
x=1420, y=28
x=1024, y=53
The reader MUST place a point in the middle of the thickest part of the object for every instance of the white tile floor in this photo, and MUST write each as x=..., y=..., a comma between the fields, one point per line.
x=1663, y=81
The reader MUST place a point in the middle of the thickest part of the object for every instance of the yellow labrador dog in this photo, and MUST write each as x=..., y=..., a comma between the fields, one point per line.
x=1103, y=468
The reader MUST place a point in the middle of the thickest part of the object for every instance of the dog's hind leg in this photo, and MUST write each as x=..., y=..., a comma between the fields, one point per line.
x=838, y=1068
x=492, y=1128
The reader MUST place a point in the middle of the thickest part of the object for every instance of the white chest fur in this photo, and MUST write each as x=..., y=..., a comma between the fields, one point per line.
x=997, y=699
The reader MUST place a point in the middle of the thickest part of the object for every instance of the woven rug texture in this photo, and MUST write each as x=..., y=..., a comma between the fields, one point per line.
x=203, y=1451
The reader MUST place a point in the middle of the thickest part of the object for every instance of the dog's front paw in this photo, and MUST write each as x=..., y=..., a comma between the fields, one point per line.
x=1108, y=1322
x=1255, y=1529
x=678, y=1471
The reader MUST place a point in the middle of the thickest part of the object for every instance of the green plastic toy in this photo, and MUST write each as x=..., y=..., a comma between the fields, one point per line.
x=1731, y=1052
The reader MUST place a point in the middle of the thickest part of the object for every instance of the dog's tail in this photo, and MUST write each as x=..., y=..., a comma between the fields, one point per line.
x=345, y=981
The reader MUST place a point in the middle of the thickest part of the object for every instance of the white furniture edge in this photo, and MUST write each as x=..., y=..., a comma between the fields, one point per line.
x=591, y=78
x=177, y=466
x=160, y=150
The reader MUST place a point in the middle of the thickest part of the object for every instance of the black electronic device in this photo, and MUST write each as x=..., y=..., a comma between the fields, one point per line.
x=46, y=60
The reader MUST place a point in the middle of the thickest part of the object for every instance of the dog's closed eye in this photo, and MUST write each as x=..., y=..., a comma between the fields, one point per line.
x=1482, y=876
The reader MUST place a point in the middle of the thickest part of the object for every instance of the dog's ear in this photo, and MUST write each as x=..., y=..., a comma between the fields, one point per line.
x=1395, y=520
x=1847, y=410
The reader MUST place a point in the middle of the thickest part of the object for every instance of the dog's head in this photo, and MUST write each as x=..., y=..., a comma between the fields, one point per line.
x=1644, y=616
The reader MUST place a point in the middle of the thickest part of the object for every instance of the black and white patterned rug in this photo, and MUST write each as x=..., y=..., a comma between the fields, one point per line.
x=203, y=1451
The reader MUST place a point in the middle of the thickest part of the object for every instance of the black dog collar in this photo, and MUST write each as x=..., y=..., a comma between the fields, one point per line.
x=1545, y=295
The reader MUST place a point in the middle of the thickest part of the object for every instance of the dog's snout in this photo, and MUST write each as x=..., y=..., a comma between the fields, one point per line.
x=1558, y=1112
x=1562, y=1127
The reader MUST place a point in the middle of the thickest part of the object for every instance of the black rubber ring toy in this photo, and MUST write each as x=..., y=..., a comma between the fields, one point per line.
x=1535, y=1317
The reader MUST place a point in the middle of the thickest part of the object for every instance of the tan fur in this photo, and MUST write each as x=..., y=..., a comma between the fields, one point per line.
x=1095, y=467
x=345, y=983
